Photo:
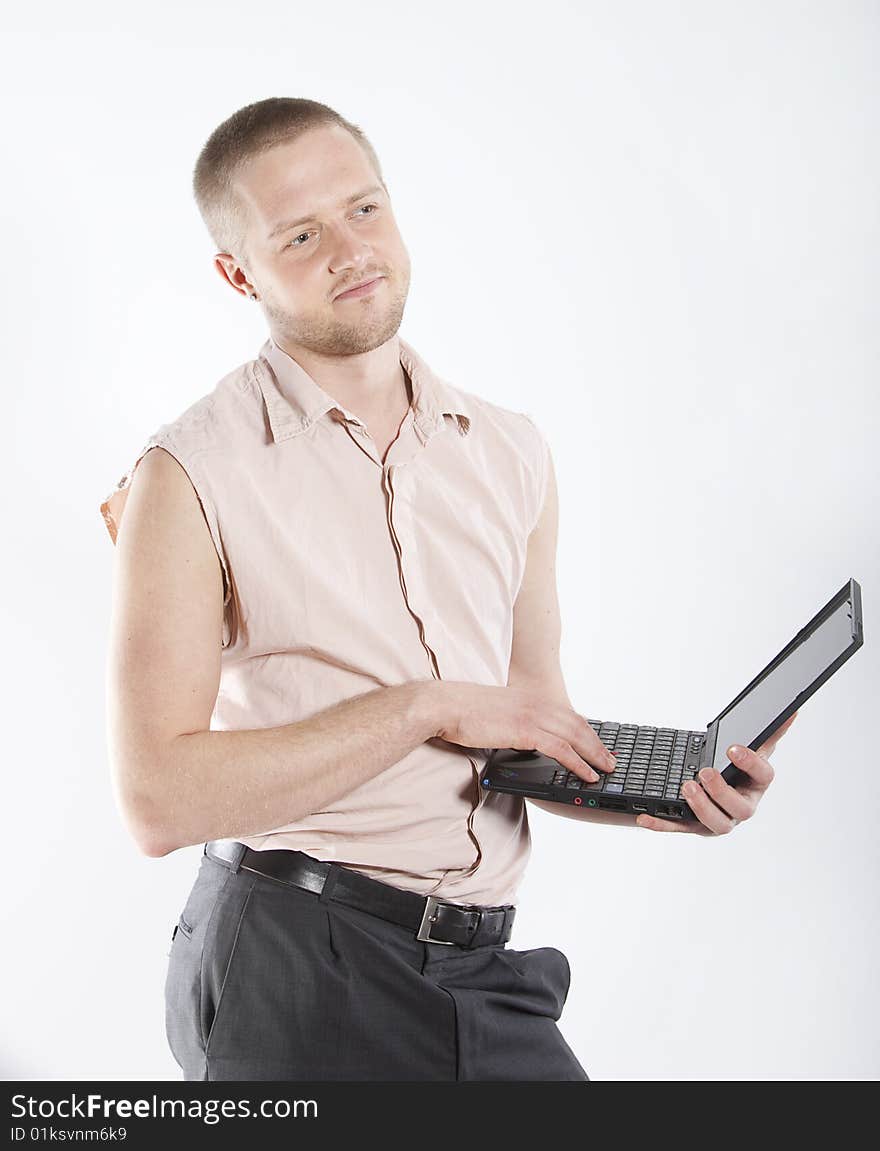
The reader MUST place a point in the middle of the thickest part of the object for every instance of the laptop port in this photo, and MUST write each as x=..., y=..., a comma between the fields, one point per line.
x=613, y=804
x=639, y=807
x=662, y=809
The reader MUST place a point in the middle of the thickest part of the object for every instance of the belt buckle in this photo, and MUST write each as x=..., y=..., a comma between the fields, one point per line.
x=428, y=918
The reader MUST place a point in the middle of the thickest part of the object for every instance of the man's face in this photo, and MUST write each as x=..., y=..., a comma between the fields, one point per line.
x=298, y=270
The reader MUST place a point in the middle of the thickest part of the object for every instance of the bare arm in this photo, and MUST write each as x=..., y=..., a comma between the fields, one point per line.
x=537, y=630
x=177, y=782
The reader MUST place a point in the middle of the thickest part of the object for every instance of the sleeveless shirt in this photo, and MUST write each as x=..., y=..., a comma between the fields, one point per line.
x=343, y=573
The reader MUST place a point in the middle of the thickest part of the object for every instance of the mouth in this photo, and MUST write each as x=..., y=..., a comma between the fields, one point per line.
x=361, y=290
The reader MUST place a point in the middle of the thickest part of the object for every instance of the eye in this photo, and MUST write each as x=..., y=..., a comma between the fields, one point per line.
x=293, y=243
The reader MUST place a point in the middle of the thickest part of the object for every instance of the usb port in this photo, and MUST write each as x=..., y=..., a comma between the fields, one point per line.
x=639, y=807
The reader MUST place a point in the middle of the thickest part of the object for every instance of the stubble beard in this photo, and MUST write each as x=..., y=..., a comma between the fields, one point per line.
x=364, y=327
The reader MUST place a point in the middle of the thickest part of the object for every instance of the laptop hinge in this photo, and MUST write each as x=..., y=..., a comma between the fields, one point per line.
x=707, y=751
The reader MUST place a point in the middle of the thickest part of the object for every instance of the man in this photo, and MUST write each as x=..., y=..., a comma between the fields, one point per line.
x=335, y=592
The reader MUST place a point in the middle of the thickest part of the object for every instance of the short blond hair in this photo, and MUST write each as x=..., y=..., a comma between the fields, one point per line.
x=246, y=134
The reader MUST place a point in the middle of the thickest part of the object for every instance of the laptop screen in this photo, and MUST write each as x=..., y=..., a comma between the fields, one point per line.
x=764, y=701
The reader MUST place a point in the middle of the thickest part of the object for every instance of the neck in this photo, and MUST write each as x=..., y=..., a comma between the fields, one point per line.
x=374, y=385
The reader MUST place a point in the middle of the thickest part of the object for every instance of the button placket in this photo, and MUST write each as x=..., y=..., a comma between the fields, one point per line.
x=388, y=484
x=363, y=440
x=399, y=519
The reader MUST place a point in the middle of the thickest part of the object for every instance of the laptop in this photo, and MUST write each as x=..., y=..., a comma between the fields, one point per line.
x=654, y=763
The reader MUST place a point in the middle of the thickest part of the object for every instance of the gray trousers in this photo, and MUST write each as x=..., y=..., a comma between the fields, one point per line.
x=271, y=982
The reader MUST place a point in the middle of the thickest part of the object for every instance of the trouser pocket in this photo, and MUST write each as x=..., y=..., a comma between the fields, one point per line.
x=183, y=982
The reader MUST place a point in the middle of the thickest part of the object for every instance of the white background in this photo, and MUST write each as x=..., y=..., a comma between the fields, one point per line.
x=652, y=226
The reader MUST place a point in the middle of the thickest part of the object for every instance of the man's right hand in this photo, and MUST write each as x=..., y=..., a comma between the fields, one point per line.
x=494, y=717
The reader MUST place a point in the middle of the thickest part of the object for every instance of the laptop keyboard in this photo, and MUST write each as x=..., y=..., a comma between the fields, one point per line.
x=650, y=761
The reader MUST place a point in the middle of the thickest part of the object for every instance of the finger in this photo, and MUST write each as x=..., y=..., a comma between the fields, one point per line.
x=584, y=751
x=757, y=767
x=561, y=750
x=768, y=747
x=706, y=811
x=591, y=747
x=731, y=801
x=586, y=739
x=691, y=827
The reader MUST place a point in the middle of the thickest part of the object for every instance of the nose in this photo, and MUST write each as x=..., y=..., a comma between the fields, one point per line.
x=352, y=251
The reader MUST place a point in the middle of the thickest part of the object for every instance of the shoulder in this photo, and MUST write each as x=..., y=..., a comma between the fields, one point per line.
x=212, y=423
x=514, y=446
x=507, y=427
x=217, y=418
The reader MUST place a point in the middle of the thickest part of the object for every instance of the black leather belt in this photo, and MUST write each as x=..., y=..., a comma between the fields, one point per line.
x=433, y=920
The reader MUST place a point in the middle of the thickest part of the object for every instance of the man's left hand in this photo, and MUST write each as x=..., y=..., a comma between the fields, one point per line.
x=718, y=806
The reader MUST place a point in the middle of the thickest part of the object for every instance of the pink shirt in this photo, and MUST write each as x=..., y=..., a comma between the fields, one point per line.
x=342, y=574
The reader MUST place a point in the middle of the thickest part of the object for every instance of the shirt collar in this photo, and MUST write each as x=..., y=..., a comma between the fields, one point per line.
x=294, y=401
